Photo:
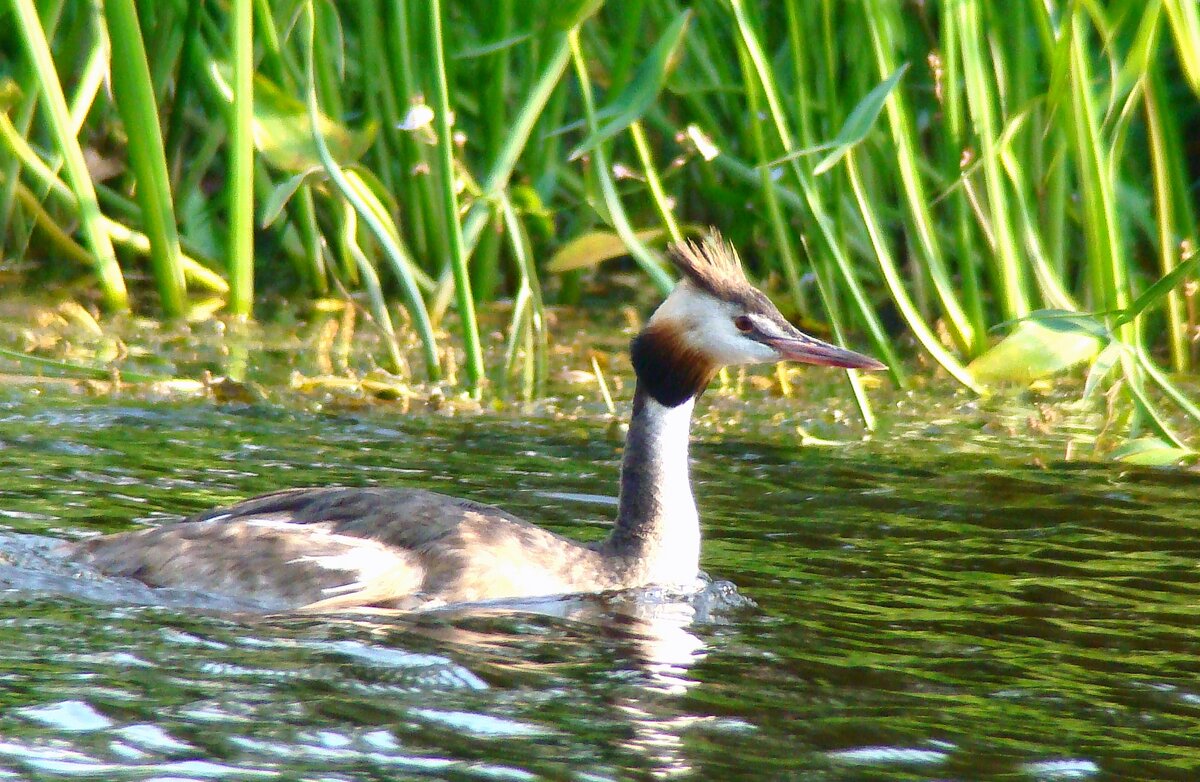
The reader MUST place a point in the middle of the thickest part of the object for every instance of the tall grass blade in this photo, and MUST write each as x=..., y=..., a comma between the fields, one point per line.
x=112, y=283
x=349, y=191
x=891, y=273
x=370, y=280
x=771, y=194
x=654, y=181
x=612, y=200
x=982, y=91
x=118, y=233
x=20, y=97
x=631, y=103
x=536, y=319
x=1165, y=222
x=1185, y=25
x=240, y=184
x=1097, y=190
x=134, y=96
x=883, y=21
x=449, y=202
x=821, y=215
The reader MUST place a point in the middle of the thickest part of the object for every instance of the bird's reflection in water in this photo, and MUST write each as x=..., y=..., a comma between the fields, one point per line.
x=665, y=648
x=661, y=628
x=654, y=629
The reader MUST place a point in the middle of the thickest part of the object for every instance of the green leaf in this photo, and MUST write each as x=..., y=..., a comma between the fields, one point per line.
x=858, y=124
x=592, y=248
x=636, y=98
x=537, y=216
x=10, y=93
x=1042, y=345
x=1151, y=452
x=283, y=133
x=1158, y=290
x=1101, y=367
x=491, y=47
x=566, y=16
x=281, y=194
x=856, y=127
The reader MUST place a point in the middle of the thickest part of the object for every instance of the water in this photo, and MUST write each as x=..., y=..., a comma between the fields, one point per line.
x=951, y=600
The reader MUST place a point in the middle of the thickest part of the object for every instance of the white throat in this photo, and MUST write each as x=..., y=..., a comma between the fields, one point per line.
x=657, y=517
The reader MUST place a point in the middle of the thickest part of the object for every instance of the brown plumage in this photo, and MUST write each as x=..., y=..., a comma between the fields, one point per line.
x=331, y=548
x=713, y=265
x=670, y=369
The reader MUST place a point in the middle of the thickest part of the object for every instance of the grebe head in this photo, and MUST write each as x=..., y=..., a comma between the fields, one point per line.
x=715, y=318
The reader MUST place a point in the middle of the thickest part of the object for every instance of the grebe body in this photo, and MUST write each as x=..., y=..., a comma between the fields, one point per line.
x=339, y=548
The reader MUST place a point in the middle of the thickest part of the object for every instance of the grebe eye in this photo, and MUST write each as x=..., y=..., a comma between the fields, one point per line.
x=743, y=324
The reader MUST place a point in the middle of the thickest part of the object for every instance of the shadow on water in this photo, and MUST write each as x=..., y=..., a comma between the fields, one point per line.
x=924, y=611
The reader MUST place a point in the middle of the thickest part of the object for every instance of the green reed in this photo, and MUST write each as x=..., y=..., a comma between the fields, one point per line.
x=449, y=198
x=112, y=283
x=240, y=187
x=963, y=164
x=133, y=95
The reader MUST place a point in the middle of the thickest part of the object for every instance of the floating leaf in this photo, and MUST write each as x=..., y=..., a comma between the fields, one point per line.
x=593, y=248
x=1042, y=345
x=1151, y=452
x=71, y=369
x=282, y=132
x=634, y=100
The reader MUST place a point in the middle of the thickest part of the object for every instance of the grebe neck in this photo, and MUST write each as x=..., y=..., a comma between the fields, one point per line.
x=657, y=522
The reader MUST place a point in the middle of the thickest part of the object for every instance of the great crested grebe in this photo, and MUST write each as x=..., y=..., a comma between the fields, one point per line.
x=337, y=548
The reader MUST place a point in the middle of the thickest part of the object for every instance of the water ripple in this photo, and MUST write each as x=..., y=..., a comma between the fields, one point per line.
x=922, y=606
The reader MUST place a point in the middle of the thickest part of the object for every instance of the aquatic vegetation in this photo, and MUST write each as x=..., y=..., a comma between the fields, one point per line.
x=964, y=168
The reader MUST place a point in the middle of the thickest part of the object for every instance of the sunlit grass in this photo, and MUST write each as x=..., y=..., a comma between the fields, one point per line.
x=907, y=176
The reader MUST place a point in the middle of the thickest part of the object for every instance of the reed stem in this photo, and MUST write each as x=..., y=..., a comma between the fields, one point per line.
x=135, y=100
x=240, y=185
x=112, y=282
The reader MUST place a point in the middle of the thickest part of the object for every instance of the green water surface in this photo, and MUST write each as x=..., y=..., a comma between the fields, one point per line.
x=930, y=606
